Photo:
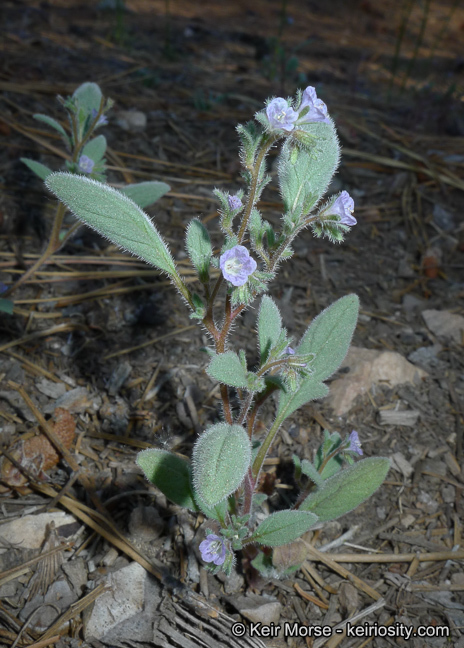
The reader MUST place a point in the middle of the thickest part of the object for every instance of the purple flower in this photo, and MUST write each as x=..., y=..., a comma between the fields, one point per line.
x=317, y=109
x=281, y=115
x=237, y=265
x=213, y=549
x=234, y=202
x=344, y=207
x=289, y=351
x=355, y=443
x=86, y=164
x=102, y=120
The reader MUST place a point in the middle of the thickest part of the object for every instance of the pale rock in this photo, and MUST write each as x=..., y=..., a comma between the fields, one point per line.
x=29, y=531
x=367, y=367
x=123, y=599
x=401, y=464
x=78, y=401
x=51, y=388
x=257, y=608
x=132, y=120
x=445, y=324
x=407, y=520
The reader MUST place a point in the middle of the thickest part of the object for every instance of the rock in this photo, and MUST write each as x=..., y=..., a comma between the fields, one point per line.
x=132, y=120
x=118, y=377
x=426, y=357
x=50, y=388
x=443, y=218
x=122, y=601
x=398, y=417
x=78, y=401
x=348, y=598
x=257, y=608
x=401, y=464
x=445, y=324
x=367, y=367
x=412, y=303
x=28, y=532
x=76, y=572
x=59, y=597
x=145, y=523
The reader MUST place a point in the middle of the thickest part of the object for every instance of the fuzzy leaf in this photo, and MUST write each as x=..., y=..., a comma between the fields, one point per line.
x=269, y=326
x=227, y=368
x=328, y=338
x=347, y=489
x=95, y=149
x=36, y=167
x=88, y=96
x=53, y=123
x=217, y=512
x=114, y=216
x=305, y=173
x=145, y=193
x=309, y=469
x=283, y=527
x=199, y=247
x=220, y=459
x=170, y=473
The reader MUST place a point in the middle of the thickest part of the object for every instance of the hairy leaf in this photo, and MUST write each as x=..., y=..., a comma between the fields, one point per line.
x=227, y=368
x=170, y=473
x=269, y=326
x=347, y=489
x=283, y=527
x=114, y=216
x=220, y=459
x=145, y=193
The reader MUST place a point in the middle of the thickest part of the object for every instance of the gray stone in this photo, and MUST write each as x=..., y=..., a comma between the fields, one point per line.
x=445, y=324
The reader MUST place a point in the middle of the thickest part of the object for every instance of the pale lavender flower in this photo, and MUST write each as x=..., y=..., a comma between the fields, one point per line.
x=317, y=109
x=237, y=265
x=289, y=351
x=355, y=443
x=234, y=202
x=344, y=207
x=281, y=115
x=86, y=164
x=213, y=549
x=102, y=120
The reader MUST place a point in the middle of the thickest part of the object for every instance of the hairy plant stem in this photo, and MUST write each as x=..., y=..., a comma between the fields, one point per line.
x=263, y=450
x=268, y=141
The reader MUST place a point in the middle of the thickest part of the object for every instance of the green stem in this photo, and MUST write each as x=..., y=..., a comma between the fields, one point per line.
x=263, y=450
x=266, y=145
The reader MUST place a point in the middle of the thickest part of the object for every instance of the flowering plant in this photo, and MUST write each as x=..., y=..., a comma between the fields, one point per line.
x=222, y=479
x=86, y=110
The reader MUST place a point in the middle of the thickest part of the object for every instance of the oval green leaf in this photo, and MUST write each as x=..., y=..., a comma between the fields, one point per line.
x=346, y=490
x=170, y=473
x=220, y=461
x=283, y=527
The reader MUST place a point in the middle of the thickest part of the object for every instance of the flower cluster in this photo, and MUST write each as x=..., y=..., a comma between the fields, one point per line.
x=284, y=117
